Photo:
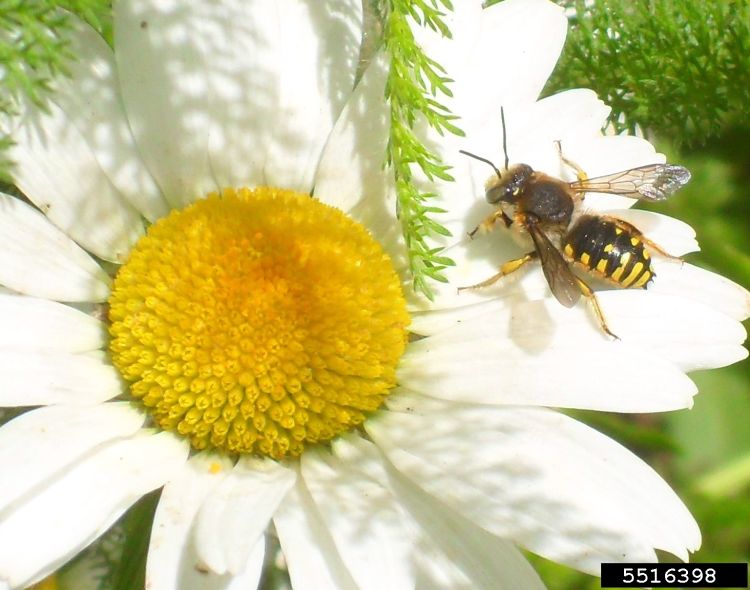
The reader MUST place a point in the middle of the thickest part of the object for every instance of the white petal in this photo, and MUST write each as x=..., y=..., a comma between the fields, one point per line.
x=533, y=33
x=526, y=37
x=45, y=326
x=250, y=576
x=164, y=55
x=431, y=322
x=318, y=45
x=173, y=560
x=351, y=175
x=540, y=478
x=38, y=378
x=91, y=101
x=162, y=70
x=363, y=519
x=351, y=167
x=687, y=333
x=41, y=444
x=486, y=561
x=63, y=517
x=58, y=172
x=237, y=512
x=701, y=285
x=38, y=259
x=540, y=353
x=438, y=537
x=241, y=93
x=436, y=571
x=311, y=555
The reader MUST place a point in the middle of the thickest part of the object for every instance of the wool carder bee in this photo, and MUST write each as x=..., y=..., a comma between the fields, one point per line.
x=550, y=211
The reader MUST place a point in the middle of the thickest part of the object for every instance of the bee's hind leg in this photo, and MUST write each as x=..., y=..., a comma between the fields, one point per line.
x=589, y=294
x=629, y=227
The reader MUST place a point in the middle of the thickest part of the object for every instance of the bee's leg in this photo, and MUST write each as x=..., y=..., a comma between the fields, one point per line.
x=589, y=294
x=489, y=222
x=630, y=228
x=580, y=173
x=505, y=269
x=658, y=249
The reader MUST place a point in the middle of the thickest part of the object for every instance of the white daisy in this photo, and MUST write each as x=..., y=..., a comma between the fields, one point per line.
x=249, y=327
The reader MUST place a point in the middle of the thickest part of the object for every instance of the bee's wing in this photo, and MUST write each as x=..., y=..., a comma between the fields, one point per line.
x=560, y=278
x=654, y=182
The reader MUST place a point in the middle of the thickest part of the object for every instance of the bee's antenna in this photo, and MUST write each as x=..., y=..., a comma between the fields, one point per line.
x=485, y=160
x=505, y=137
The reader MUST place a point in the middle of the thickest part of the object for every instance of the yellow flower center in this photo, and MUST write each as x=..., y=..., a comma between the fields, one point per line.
x=258, y=321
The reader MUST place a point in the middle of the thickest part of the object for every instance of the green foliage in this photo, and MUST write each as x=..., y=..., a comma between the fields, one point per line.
x=413, y=85
x=716, y=200
x=5, y=179
x=713, y=470
x=34, y=49
x=680, y=68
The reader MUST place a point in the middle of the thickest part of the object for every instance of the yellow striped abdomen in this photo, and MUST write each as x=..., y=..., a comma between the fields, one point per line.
x=610, y=249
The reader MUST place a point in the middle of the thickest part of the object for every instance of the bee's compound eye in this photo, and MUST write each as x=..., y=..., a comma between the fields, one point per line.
x=495, y=194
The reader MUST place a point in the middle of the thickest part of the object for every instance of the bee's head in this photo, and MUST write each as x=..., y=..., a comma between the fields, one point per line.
x=509, y=185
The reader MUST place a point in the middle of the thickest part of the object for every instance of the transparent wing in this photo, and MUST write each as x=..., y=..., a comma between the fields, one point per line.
x=654, y=182
x=560, y=278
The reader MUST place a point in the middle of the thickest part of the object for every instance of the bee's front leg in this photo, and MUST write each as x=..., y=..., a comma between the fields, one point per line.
x=489, y=222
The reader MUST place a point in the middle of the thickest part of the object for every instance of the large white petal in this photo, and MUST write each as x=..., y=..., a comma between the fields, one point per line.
x=688, y=333
x=39, y=378
x=524, y=38
x=485, y=560
x=540, y=353
x=351, y=162
x=90, y=99
x=361, y=514
x=250, y=576
x=38, y=259
x=241, y=93
x=56, y=169
x=45, y=326
x=183, y=77
x=310, y=553
x=318, y=44
x=457, y=552
x=351, y=175
x=709, y=288
x=40, y=445
x=539, y=478
x=234, y=516
x=173, y=560
x=61, y=518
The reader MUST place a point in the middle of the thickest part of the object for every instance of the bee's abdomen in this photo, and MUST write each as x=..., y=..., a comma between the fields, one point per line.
x=611, y=250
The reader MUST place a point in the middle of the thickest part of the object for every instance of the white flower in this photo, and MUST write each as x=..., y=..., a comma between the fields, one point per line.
x=466, y=461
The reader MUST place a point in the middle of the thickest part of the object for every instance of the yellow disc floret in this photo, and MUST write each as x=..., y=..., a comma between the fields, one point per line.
x=258, y=321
